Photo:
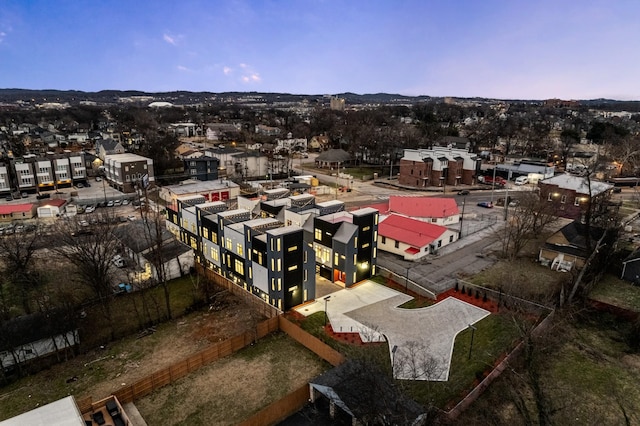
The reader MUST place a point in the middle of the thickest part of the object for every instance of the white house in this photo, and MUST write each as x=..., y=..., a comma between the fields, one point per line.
x=412, y=239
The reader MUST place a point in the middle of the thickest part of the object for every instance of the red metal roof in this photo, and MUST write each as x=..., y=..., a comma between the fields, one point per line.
x=410, y=231
x=412, y=250
x=423, y=206
x=54, y=203
x=15, y=208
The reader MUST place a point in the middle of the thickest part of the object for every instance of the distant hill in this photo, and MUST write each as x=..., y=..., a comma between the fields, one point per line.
x=188, y=98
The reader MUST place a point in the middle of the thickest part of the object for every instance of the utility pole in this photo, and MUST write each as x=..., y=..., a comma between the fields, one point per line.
x=464, y=200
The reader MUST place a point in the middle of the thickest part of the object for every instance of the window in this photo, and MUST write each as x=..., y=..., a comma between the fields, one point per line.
x=397, y=244
x=292, y=268
x=318, y=234
x=411, y=171
x=439, y=243
x=563, y=199
x=292, y=248
x=549, y=197
x=239, y=266
x=279, y=265
x=214, y=254
x=450, y=238
x=239, y=249
x=384, y=240
x=366, y=228
x=576, y=202
x=229, y=244
x=335, y=258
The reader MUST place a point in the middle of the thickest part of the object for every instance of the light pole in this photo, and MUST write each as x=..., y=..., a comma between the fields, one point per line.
x=493, y=184
x=464, y=200
x=406, y=280
x=326, y=300
x=393, y=360
x=473, y=329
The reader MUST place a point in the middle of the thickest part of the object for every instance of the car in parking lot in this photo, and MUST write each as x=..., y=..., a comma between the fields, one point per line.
x=117, y=203
x=98, y=179
x=43, y=196
x=485, y=204
x=125, y=202
x=463, y=192
x=110, y=203
x=87, y=184
x=79, y=185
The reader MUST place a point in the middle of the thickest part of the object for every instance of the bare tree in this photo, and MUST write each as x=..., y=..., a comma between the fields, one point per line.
x=17, y=253
x=91, y=250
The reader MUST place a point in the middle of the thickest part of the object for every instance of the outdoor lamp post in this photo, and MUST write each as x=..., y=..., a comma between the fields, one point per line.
x=464, y=201
x=473, y=329
x=326, y=300
x=393, y=360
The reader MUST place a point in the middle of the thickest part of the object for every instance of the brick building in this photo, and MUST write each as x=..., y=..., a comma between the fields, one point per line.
x=438, y=167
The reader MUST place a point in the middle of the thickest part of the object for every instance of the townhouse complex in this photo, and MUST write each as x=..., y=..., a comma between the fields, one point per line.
x=276, y=248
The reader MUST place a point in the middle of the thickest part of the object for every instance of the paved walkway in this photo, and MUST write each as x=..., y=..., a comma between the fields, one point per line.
x=423, y=349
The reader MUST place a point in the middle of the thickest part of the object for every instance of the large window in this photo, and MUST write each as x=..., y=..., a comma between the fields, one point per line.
x=239, y=266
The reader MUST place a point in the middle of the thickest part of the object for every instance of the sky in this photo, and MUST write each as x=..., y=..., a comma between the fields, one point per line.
x=509, y=49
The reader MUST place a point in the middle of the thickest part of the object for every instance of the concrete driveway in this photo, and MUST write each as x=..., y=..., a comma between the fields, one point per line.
x=423, y=338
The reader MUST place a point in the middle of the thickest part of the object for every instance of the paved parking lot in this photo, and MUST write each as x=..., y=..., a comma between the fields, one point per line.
x=423, y=338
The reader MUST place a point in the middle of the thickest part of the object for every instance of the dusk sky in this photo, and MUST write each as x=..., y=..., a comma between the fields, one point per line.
x=509, y=49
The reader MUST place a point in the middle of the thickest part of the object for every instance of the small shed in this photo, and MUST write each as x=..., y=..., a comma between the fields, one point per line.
x=52, y=208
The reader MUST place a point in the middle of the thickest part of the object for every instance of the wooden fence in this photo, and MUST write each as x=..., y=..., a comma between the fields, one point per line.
x=455, y=412
x=281, y=409
x=310, y=342
x=180, y=369
x=258, y=304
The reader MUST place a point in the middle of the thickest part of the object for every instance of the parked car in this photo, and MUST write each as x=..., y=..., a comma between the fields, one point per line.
x=98, y=179
x=463, y=192
x=79, y=185
x=122, y=288
x=43, y=196
x=25, y=195
x=87, y=184
x=110, y=203
x=617, y=190
x=117, y=203
x=125, y=202
x=486, y=204
x=521, y=180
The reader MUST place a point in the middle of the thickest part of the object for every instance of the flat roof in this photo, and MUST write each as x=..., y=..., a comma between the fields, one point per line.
x=63, y=412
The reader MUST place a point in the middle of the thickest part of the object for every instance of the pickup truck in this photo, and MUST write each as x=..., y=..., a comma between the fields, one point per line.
x=488, y=180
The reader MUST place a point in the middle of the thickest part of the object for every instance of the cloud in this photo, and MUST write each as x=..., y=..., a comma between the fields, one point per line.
x=243, y=73
x=2, y=36
x=173, y=40
x=183, y=68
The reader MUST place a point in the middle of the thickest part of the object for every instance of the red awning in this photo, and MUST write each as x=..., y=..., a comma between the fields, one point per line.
x=412, y=250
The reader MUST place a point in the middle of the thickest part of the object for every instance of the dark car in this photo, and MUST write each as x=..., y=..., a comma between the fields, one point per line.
x=463, y=192
x=43, y=196
x=617, y=190
x=486, y=204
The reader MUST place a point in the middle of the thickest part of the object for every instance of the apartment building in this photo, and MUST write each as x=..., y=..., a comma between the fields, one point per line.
x=125, y=171
x=32, y=173
x=273, y=257
x=437, y=167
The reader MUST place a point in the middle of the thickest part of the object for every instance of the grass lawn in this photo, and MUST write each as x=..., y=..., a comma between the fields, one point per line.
x=236, y=387
x=617, y=292
x=522, y=278
x=494, y=337
x=130, y=312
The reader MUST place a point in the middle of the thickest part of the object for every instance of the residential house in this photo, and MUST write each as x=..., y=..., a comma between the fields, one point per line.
x=437, y=167
x=319, y=143
x=5, y=181
x=141, y=243
x=439, y=211
x=631, y=268
x=572, y=195
x=567, y=248
x=51, y=208
x=106, y=147
x=333, y=159
x=412, y=239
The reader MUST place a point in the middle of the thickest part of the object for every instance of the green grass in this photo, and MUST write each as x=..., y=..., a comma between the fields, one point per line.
x=132, y=312
x=495, y=336
x=617, y=292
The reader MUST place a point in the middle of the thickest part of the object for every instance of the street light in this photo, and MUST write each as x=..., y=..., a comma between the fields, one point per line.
x=393, y=360
x=464, y=200
x=473, y=329
x=326, y=300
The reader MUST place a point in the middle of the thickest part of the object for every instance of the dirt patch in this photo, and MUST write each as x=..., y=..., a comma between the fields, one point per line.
x=232, y=389
x=135, y=358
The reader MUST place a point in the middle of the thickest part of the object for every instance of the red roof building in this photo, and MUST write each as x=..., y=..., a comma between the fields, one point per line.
x=439, y=211
x=9, y=212
x=411, y=238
